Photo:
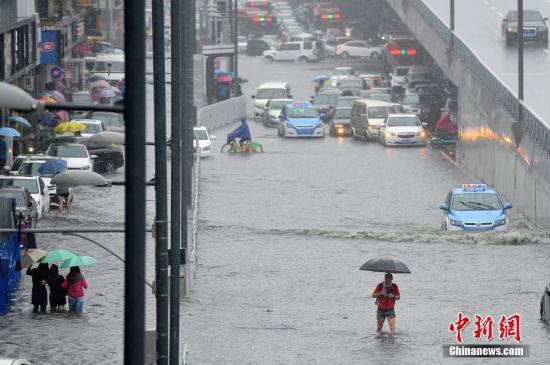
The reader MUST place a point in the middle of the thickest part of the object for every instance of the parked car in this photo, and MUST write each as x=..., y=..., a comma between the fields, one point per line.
x=205, y=141
x=36, y=187
x=108, y=158
x=368, y=116
x=358, y=49
x=256, y=47
x=24, y=203
x=402, y=129
x=534, y=26
x=295, y=51
x=399, y=77
x=75, y=154
x=272, y=110
x=113, y=122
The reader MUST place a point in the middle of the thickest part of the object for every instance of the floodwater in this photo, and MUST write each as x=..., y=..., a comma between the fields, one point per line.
x=282, y=236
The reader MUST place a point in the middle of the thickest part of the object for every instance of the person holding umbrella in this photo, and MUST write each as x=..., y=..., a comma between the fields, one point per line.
x=75, y=285
x=386, y=293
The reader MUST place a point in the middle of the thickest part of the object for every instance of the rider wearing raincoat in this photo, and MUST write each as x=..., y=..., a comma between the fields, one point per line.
x=240, y=136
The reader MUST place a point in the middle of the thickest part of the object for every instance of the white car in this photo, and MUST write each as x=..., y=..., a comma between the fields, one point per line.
x=293, y=51
x=241, y=43
x=402, y=129
x=30, y=168
x=92, y=127
x=205, y=141
x=267, y=91
x=35, y=185
x=75, y=154
x=399, y=77
x=358, y=49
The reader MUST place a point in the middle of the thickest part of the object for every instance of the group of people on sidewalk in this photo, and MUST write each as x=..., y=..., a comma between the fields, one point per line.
x=60, y=287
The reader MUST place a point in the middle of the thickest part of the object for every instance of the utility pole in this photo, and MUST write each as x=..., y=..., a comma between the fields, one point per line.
x=520, y=55
x=134, y=222
x=236, y=42
x=161, y=188
x=175, y=185
x=452, y=21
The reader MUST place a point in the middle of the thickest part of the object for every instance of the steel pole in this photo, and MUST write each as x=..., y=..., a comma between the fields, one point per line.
x=134, y=245
x=452, y=21
x=161, y=187
x=175, y=181
x=520, y=59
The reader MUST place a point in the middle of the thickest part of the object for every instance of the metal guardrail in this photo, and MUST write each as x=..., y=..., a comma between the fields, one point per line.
x=195, y=222
x=224, y=112
x=536, y=127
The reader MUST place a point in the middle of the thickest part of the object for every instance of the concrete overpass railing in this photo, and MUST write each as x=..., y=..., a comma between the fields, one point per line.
x=222, y=113
x=489, y=143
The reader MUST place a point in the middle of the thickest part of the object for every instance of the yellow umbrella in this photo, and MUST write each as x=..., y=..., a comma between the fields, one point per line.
x=70, y=127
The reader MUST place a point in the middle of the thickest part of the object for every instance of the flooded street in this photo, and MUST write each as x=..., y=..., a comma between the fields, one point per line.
x=282, y=237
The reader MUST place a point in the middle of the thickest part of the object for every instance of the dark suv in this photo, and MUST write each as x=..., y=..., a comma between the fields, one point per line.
x=534, y=26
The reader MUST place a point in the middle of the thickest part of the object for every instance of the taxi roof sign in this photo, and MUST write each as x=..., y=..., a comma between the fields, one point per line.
x=474, y=187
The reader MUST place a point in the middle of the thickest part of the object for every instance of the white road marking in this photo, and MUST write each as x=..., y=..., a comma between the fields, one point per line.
x=493, y=8
x=546, y=50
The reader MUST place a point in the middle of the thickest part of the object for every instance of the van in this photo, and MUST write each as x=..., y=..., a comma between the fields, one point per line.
x=295, y=51
x=267, y=91
x=367, y=117
x=110, y=66
x=303, y=37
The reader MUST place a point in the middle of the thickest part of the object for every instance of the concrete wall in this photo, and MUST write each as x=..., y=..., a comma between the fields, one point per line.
x=486, y=146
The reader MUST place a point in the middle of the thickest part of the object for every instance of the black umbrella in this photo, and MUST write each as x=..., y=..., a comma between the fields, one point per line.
x=383, y=264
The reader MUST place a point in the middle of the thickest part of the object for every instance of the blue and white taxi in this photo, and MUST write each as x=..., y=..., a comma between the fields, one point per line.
x=474, y=207
x=300, y=119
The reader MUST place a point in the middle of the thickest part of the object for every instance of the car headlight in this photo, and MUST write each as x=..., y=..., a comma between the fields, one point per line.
x=456, y=223
x=500, y=222
x=85, y=167
x=421, y=134
x=389, y=134
x=320, y=124
x=510, y=29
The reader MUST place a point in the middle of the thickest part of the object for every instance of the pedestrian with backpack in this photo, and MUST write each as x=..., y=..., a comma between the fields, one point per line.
x=386, y=293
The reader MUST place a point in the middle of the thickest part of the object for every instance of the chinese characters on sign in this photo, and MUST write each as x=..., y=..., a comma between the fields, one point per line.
x=508, y=327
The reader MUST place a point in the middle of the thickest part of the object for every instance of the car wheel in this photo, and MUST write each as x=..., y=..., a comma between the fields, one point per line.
x=345, y=55
x=303, y=59
x=269, y=58
x=374, y=56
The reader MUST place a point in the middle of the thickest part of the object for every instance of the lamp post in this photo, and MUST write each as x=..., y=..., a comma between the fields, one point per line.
x=452, y=16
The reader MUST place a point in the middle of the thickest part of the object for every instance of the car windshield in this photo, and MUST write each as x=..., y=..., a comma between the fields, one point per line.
x=343, y=71
x=345, y=103
x=270, y=93
x=30, y=184
x=302, y=113
x=330, y=99
x=407, y=121
x=18, y=196
x=108, y=119
x=342, y=113
x=278, y=104
x=101, y=66
x=200, y=134
x=476, y=201
x=92, y=128
x=411, y=99
x=68, y=151
x=402, y=71
x=528, y=16
x=31, y=168
x=379, y=96
x=377, y=112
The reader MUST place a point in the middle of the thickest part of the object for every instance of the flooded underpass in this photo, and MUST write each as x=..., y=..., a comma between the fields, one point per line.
x=282, y=237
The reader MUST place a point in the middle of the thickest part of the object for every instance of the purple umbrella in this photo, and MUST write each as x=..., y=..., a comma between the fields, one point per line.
x=60, y=98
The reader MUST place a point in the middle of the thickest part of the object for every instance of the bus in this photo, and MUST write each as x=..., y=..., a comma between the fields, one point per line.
x=259, y=24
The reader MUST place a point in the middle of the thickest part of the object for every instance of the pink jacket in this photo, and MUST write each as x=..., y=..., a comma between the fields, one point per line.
x=75, y=289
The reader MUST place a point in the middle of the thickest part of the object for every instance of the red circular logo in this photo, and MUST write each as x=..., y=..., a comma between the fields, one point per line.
x=47, y=46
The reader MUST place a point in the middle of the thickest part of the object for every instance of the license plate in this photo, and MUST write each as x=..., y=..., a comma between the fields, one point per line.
x=528, y=33
x=406, y=141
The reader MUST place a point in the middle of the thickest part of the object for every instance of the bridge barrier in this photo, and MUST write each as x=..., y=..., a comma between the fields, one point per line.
x=488, y=114
x=222, y=113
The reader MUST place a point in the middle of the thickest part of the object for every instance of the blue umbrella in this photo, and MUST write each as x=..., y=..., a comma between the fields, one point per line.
x=53, y=166
x=20, y=120
x=9, y=132
x=321, y=78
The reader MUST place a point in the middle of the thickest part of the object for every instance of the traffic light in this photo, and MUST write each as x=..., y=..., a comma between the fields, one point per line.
x=331, y=16
x=261, y=19
x=403, y=52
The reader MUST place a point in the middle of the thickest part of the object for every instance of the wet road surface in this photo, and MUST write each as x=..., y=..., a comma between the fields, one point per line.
x=282, y=235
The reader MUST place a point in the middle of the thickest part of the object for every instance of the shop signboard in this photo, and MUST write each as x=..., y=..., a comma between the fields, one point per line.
x=49, y=47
